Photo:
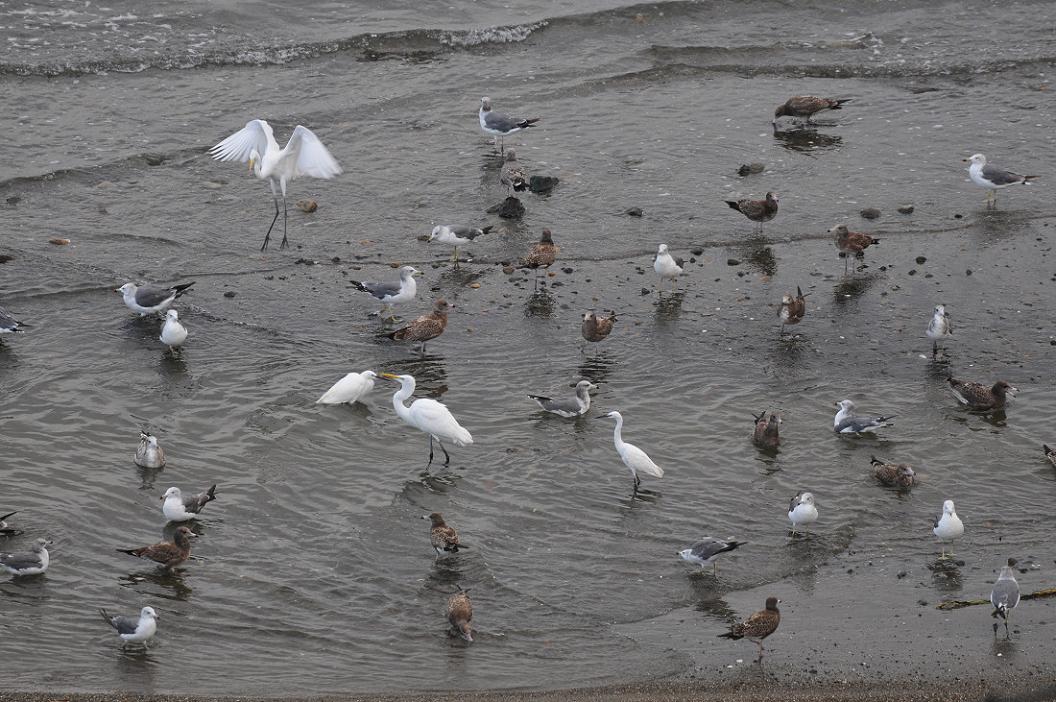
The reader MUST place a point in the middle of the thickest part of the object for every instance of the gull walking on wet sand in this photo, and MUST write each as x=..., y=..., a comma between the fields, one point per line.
x=134, y=629
x=442, y=537
x=178, y=508
x=806, y=106
x=499, y=125
x=767, y=430
x=390, y=294
x=542, y=255
x=5, y=528
x=801, y=510
x=423, y=329
x=938, y=328
x=636, y=460
x=792, y=308
x=947, y=527
x=596, y=328
x=897, y=475
x=457, y=235
x=758, y=626
x=977, y=396
x=351, y=388
x=707, y=550
x=460, y=614
x=149, y=454
x=851, y=243
x=570, y=407
x=165, y=553
x=303, y=155
x=32, y=562
x=846, y=422
x=993, y=178
x=429, y=416
x=1005, y=594
x=173, y=334
x=668, y=267
x=8, y=324
x=151, y=299
x=758, y=211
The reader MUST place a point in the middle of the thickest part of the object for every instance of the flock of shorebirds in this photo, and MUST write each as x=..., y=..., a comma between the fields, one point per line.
x=305, y=155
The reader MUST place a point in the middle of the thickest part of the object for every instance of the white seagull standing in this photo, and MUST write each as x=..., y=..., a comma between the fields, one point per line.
x=132, y=630
x=846, y=422
x=173, y=334
x=707, y=550
x=303, y=155
x=992, y=177
x=667, y=267
x=499, y=125
x=1005, y=595
x=636, y=460
x=352, y=388
x=801, y=510
x=948, y=526
x=428, y=415
x=390, y=294
x=33, y=562
x=938, y=328
x=148, y=299
x=457, y=235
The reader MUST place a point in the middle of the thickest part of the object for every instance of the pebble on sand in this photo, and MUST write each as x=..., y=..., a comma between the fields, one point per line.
x=870, y=213
x=307, y=205
x=58, y=241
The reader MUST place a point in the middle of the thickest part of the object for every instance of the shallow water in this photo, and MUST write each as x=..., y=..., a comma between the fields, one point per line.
x=314, y=573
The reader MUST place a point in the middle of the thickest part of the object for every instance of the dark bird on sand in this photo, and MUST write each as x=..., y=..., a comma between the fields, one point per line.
x=897, y=475
x=977, y=396
x=767, y=430
x=806, y=106
x=460, y=614
x=758, y=626
x=167, y=554
x=596, y=328
x=756, y=210
x=793, y=308
x=428, y=326
x=441, y=536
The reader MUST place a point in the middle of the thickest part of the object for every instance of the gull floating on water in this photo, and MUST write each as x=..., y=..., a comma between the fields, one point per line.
x=758, y=211
x=977, y=396
x=389, y=294
x=948, y=526
x=5, y=528
x=596, y=328
x=303, y=155
x=32, y=562
x=149, y=454
x=767, y=430
x=167, y=554
x=499, y=125
x=442, y=537
x=429, y=416
x=636, y=460
x=707, y=550
x=851, y=243
x=178, y=508
x=352, y=388
x=457, y=235
x=938, y=328
x=668, y=267
x=572, y=407
x=993, y=178
x=807, y=106
x=846, y=422
x=897, y=475
x=428, y=326
x=150, y=299
x=8, y=324
x=460, y=614
x=1005, y=594
x=173, y=334
x=758, y=626
x=792, y=308
x=133, y=629
x=801, y=510
x=1050, y=454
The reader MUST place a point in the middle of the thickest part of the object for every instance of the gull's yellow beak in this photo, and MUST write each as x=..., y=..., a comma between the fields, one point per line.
x=390, y=376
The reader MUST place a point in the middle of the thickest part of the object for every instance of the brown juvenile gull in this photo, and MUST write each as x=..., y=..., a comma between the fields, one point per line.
x=1049, y=454
x=707, y=550
x=178, y=508
x=167, y=554
x=758, y=626
x=441, y=536
x=460, y=614
x=992, y=177
x=149, y=454
x=513, y=175
x=766, y=431
x=938, y=328
x=851, y=243
x=499, y=125
x=807, y=106
x=792, y=308
x=428, y=326
x=1005, y=594
x=756, y=210
x=893, y=474
x=542, y=255
x=977, y=396
x=596, y=328
x=5, y=529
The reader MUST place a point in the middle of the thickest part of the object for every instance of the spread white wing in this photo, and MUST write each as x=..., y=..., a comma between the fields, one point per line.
x=237, y=147
x=310, y=155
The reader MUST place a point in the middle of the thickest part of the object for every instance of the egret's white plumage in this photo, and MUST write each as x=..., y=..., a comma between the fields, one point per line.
x=948, y=527
x=352, y=388
x=636, y=460
x=428, y=415
x=173, y=334
x=303, y=155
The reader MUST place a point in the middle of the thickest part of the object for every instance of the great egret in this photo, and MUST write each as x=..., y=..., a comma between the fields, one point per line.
x=429, y=416
x=636, y=460
x=303, y=155
x=352, y=388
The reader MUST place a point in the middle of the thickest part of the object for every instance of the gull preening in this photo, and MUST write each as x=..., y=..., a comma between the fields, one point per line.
x=460, y=614
x=846, y=422
x=1005, y=594
x=303, y=155
x=151, y=299
x=851, y=243
x=389, y=294
x=442, y=538
x=424, y=328
x=32, y=562
x=993, y=178
x=352, y=388
x=792, y=308
x=758, y=211
x=167, y=554
x=173, y=334
x=134, y=629
x=938, y=328
x=897, y=475
x=149, y=454
x=767, y=430
x=707, y=550
x=429, y=416
x=457, y=235
x=8, y=324
x=948, y=527
x=806, y=106
x=758, y=626
x=636, y=460
x=801, y=510
x=178, y=508
x=499, y=125
x=571, y=407
x=977, y=396
x=668, y=267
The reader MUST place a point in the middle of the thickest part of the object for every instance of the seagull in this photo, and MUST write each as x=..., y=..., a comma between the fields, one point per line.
x=667, y=267
x=636, y=460
x=6, y=530
x=352, y=388
x=977, y=396
x=428, y=326
x=801, y=510
x=148, y=453
x=758, y=626
x=390, y=294
x=178, y=508
x=167, y=554
x=173, y=334
x=847, y=423
x=992, y=178
x=938, y=328
x=766, y=430
x=575, y=407
x=948, y=526
x=304, y=155
x=460, y=614
x=428, y=415
x=133, y=630
x=893, y=474
x=756, y=210
x=1005, y=595
x=542, y=255
x=148, y=299
x=792, y=308
x=513, y=175
x=596, y=328
x=457, y=235
x=8, y=324
x=32, y=562
x=851, y=243
x=499, y=125
x=807, y=106
x=441, y=536
x=1050, y=454
x=707, y=550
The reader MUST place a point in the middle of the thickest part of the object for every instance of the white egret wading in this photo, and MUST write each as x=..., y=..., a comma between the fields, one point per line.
x=352, y=388
x=636, y=460
x=429, y=416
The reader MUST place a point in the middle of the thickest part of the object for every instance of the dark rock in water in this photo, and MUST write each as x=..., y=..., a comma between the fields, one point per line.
x=697, y=251
x=870, y=213
x=645, y=291
x=732, y=262
x=921, y=259
x=566, y=271
x=957, y=216
x=229, y=294
x=905, y=209
x=750, y=168
x=154, y=159
x=4, y=258
x=511, y=208
x=335, y=259
x=634, y=212
x=307, y=205
x=541, y=185
x=14, y=200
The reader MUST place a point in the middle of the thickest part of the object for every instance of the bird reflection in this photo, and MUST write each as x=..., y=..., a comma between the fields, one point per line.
x=147, y=476
x=851, y=287
x=762, y=258
x=146, y=328
x=946, y=576
x=541, y=304
x=596, y=368
x=806, y=140
x=430, y=374
x=668, y=309
x=163, y=580
x=999, y=225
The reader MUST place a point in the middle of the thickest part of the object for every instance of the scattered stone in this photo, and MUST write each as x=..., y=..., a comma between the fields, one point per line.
x=912, y=271
x=957, y=216
x=475, y=286
x=211, y=184
x=697, y=251
x=508, y=270
x=335, y=259
x=905, y=209
x=541, y=185
x=566, y=271
x=750, y=168
x=422, y=237
x=921, y=259
x=901, y=574
x=732, y=262
x=4, y=258
x=307, y=205
x=304, y=261
x=634, y=212
x=229, y=294
x=870, y=213
x=154, y=159
x=58, y=242
x=968, y=272
x=14, y=200
x=395, y=264
x=511, y=208
x=645, y=291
